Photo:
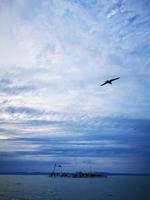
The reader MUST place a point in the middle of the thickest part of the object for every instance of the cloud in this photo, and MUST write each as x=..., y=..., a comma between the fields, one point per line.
x=99, y=138
x=54, y=56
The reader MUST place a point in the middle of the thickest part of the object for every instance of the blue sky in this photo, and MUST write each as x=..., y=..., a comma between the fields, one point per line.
x=53, y=57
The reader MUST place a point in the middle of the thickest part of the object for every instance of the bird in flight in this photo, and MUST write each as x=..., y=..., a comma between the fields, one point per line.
x=109, y=81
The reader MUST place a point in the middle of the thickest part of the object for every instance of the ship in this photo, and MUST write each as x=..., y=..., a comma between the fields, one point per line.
x=79, y=174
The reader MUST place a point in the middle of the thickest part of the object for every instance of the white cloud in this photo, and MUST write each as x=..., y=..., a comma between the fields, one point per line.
x=65, y=53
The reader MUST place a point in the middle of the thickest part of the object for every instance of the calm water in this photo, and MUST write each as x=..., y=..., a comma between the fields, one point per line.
x=33, y=187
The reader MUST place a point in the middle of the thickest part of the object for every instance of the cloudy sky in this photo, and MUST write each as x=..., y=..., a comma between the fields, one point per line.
x=54, y=54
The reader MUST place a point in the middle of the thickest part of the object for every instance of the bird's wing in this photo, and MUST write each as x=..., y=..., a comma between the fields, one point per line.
x=104, y=84
x=114, y=79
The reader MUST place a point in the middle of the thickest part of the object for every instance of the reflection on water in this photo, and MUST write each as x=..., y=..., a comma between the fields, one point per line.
x=37, y=187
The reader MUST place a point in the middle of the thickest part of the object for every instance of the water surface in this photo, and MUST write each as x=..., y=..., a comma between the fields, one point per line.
x=41, y=187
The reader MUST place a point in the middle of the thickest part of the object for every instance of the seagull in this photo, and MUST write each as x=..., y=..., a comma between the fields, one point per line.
x=109, y=81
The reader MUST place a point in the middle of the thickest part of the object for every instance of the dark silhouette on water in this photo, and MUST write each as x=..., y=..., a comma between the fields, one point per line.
x=74, y=174
x=109, y=81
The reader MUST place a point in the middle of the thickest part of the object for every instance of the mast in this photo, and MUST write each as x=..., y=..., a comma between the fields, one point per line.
x=54, y=168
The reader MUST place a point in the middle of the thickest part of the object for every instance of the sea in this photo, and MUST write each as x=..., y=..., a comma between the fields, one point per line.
x=42, y=187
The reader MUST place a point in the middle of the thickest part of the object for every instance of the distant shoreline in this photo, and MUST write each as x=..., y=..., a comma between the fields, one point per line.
x=47, y=173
